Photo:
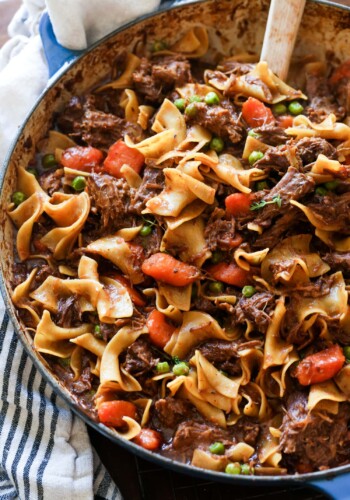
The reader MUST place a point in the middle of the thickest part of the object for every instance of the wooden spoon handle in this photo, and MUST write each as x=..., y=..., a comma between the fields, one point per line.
x=280, y=35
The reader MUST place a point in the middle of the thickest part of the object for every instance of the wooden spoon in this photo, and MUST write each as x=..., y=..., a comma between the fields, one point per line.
x=280, y=35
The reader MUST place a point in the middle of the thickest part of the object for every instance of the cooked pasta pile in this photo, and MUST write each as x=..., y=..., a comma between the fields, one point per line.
x=183, y=258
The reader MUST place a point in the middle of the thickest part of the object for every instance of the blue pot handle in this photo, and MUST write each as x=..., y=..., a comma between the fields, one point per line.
x=56, y=54
x=336, y=487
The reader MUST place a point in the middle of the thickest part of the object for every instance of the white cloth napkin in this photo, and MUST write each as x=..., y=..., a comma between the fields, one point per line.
x=45, y=451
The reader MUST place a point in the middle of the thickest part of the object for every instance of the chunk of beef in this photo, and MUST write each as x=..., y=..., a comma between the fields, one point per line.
x=152, y=184
x=19, y=273
x=246, y=430
x=338, y=261
x=69, y=313
x=321, y=99
x=279, y=159
x=223, y=355
x=191, y=435
x=333, y=209
x=272, y=134
x=222, y=120
x=293, y=186
x=171, y=411
x=310, y=147
x=51, y=181
x=83, y=383
x=140, y=358
x=72, y=114
x=235, y=67
x=219, y=231
x=155, y=78
x=256, y=309
x=205, y=305
x=111, y=198
x=310, y=439
x=151, y=243
x=274, y=234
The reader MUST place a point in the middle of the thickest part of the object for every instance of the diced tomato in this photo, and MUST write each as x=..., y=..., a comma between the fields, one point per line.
x=149, y=439
x=160, y=331
x=321, y=366
x=164, y=267
x=120, y=154
x=135, y=296
x=285, y=121
x=111, y=413
x=255, y=113
x=238, y=204
x=343, y=71
x=229, y=273
x=82, y=158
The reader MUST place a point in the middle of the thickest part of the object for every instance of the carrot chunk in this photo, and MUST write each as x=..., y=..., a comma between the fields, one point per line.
x=229, y=273
x=159, y=329
x=148, y=439
x=82, y=158
x=255, y=113
x=164, y=267
x=321, y=366
x=111, y=413
x=120, y=154
x=238, y=204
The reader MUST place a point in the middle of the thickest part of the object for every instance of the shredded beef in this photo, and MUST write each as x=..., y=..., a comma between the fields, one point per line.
x=333, y=209
x=51, y=181
x=111, y=198
x=170, y=411
x=222, y=120
x=156, y=78
x=205, y=305
x=256, y=309
x=246, y=430
x=293, y=186
x=223, y=355
x=310, y=147
x=219, y=231
x=69, y=312
x=338, y=261
x=321, y=99
x=274, y=234
x=83, y=383
x=272, y=134
x=310, y=440
x=152, y=184
x=140, y=358
x=279, y=159
x=191, y=434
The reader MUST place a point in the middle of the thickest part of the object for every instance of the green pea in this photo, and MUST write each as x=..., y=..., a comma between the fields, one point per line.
x=78, y=183
x=255, y=156
x=217, y=448
x=261, y=185
x=295, y=108
x=331, y=185
x=252, y=133
x=181, y=368
x=248, y=291
x=32, y=171
x=159, y=45
x=163, y=367
x=216, y=287
x=279, y=109
x=195, y=98
x=346, y=350
x=322, y=191
x=233, y=469
x=145, y=230
x=97, y=332
x=18, y=198
x=212, y=98
x=191, y=110
x=217, y=257
x=217, y=144
x=180, y=104
x=49, y=161
x=245, y=469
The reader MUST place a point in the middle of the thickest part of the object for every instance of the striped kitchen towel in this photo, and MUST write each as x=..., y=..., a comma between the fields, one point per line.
x=45, y=452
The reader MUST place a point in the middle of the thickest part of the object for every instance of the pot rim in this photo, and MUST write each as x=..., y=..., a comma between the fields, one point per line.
x=160, y=460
